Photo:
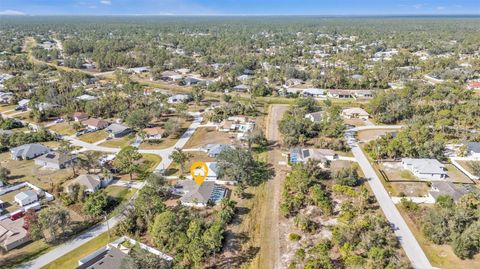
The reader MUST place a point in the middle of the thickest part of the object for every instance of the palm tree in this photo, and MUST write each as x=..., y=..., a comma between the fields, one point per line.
x=67, y=149
x=181, y=158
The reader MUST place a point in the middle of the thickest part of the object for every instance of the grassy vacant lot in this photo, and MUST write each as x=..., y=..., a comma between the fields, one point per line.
x=457, y=176
x=17, y=256
x=63, y=128
x=27, y=171
x=117, y=142
x=119, y=192
x=70, y=260
x=151, y=161
x=93, y=137
x=440, y=256
x=4, y=108
x=466, y=165
x=196, y=156
x=367, y=135
x=208, y=135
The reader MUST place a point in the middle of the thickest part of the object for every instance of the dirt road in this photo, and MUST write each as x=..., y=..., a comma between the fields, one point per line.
x=269, y=254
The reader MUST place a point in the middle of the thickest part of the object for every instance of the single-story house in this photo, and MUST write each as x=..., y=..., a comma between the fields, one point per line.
x=138, y=70
x=45, y=106
x=314, y=92
x=112, y=256
x=80, y=116
x=299, y=155
x=456, y=191
x=12, y=233
x=23, y=103
x=194, y=195
x=86, y=97
x=95, y=123
x=170, y=75
x=154, y=133
x=355, y=113
x=241, y=88
x=363, y=94
x=55, y=160
x=91, y=182
x=6, y=97
x=315, y=116
x=341, y=94
x=244, y=77
x=117, y=130
x=213, y=150
x=428, y=169
x=191, y=81
x=28, y=151
x=473, y=149
x=26, y=197
x=179, y=98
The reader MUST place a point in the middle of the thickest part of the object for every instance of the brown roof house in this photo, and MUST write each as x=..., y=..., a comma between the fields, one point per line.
x=80, y=116
x=154, y=133
x=12, y=233
x=95, y=123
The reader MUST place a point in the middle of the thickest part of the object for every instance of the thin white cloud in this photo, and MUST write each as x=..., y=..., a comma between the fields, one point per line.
x=106, y=2
x=419, y=6
x=440, y=8
x=12, y=12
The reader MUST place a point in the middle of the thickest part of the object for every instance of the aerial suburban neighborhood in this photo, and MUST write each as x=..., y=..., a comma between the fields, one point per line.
x=238, y=141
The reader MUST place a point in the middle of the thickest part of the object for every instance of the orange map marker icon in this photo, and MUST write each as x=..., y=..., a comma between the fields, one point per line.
x=199, y=171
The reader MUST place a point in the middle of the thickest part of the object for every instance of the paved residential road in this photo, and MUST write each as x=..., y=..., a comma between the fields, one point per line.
x=102, y=227
x=405, y=236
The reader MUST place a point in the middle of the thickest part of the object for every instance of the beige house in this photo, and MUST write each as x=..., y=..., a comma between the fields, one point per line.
x=12, y=233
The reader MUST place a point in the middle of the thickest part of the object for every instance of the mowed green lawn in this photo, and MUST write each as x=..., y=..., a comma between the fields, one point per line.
x=70, y=260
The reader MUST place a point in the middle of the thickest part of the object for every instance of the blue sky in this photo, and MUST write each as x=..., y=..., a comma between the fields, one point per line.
x=238, y=7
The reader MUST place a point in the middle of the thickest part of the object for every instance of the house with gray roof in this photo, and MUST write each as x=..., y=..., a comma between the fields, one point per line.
x=116, y=130
x=473, y=149
x=315, y=116
x=425, y=169
x=55, y=160
x=301, y=155
x=314, y=92
x=213, y=150
x=241, y=88
x=193, y=195
x=28, y=151
x=113, y=254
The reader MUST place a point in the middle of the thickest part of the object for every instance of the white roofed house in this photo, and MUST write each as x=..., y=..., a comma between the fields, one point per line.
x=425, y=169
x=171, y=76
x=6, y=97
x=179, y=98
x=314, y=92
x=363, y=94
x=472, y=149
x=355, y=112
x=301, y=155
x=26, y=198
